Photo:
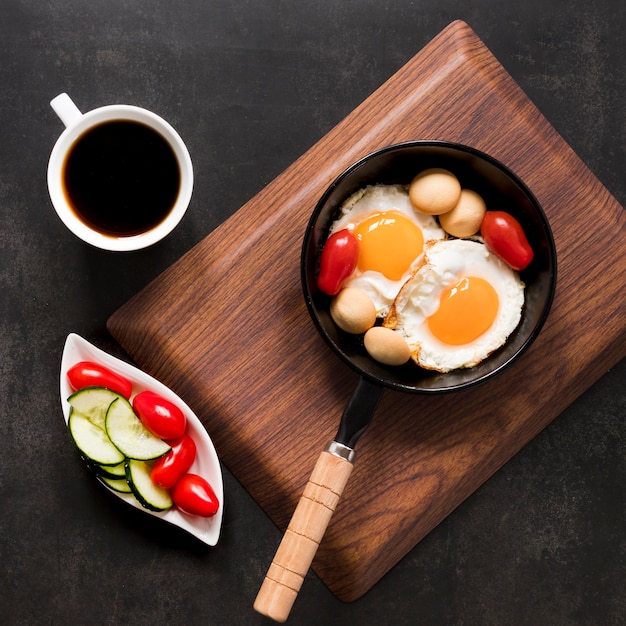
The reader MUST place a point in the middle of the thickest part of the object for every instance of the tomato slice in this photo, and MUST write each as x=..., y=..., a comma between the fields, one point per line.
x=89, y=374
x=505, y=237
x=168, y=469
x=160, y=416
x=193, y=495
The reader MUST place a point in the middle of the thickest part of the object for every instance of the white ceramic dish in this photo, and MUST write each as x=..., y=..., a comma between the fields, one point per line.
x=206, y=529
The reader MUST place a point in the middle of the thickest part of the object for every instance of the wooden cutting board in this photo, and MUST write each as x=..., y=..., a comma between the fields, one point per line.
x=236, y=341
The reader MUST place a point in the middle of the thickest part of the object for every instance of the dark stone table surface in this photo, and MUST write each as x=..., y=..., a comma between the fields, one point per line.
x=250, y=86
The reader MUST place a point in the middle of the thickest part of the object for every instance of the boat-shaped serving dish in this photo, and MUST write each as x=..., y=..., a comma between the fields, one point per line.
x=206, y=463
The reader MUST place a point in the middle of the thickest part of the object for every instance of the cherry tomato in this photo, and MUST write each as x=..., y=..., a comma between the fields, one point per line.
x=505, y=237
x=338, y=260
x=88, y=374
x=192, y=494
x=168, y=469
x=160, y=416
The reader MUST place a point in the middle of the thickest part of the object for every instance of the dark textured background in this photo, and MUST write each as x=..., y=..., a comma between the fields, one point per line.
x=250, y=85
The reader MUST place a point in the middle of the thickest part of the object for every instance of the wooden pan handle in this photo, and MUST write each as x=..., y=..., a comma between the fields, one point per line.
x=303, y=535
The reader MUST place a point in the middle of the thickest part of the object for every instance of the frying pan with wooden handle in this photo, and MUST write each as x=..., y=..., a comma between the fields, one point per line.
x=398, y=164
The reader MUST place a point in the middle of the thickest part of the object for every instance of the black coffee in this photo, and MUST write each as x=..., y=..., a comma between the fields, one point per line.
x=121, y=178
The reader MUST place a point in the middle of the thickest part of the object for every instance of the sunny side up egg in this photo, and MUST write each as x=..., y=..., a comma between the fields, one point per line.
x=391, y=235
x=460, y=306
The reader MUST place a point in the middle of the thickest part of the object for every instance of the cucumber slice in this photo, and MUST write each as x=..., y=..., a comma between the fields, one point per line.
x=93, y=441
x=117, y=484
x=149, y=495
x=129, y=435
x=93, y=403
x=110, y=471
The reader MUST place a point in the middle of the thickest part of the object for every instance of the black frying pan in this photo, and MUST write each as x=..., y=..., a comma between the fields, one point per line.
x=502, y=190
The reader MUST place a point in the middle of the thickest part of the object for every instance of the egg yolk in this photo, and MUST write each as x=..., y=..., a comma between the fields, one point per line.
x=388, y=243
x=466, y=310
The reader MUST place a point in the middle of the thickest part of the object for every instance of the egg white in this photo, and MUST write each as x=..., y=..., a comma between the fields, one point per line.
x=382, y=199
x=445, y=262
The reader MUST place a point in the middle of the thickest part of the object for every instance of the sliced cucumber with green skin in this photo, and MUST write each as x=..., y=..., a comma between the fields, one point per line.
x=129, y=435
x=117, y=484
x=149, y=495
x=93, y=403
x=114, y=472
x=92, y=441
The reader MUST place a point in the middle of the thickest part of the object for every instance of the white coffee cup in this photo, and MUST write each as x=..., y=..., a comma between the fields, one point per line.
x=78, y=126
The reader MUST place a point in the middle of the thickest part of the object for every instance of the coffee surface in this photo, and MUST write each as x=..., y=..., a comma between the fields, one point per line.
x=121, y=178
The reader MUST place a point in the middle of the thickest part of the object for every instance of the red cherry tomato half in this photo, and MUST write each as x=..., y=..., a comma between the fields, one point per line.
x=168, y=469
x=160, y=416
x=505, y=237
x=193, y=495
x=88, y=374
x=338, y=260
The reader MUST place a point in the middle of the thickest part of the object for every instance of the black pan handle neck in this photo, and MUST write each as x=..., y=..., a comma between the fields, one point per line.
x=359, y=412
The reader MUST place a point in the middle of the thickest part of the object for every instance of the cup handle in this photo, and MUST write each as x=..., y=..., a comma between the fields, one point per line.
x=66, y=109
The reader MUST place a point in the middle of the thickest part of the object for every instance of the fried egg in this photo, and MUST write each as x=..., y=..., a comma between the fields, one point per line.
x=391, y=235
x=460, y=305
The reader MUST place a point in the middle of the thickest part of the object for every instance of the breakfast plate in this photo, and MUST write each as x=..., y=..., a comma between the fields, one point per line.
x=206, y=463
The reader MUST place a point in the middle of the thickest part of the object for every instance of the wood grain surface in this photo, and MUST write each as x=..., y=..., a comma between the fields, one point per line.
x=236, y=342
